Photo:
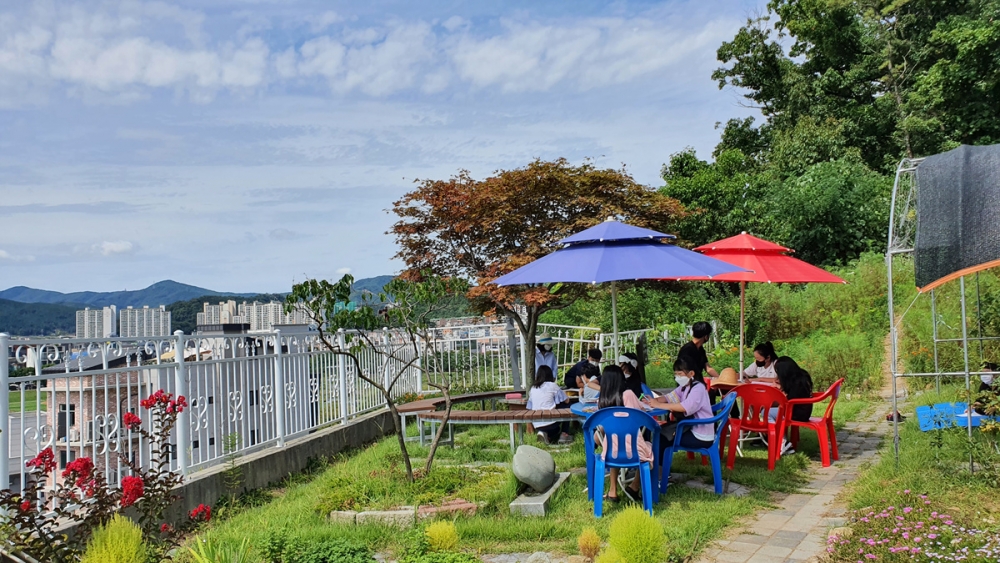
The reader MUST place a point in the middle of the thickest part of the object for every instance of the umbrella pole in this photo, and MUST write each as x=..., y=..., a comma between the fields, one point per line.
x=743, y=305
x=614, y=320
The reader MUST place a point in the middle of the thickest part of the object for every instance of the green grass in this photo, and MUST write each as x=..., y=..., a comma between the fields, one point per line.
x=373, y=478
x=935, y=463
x=30, y=401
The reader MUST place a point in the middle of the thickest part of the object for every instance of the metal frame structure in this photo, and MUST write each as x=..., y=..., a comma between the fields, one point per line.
x=901, y=241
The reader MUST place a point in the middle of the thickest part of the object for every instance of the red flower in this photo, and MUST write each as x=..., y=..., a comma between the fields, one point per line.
x=165, y=528
x=132, y=490
x=80, y=468
x=131, y=421
x=26, y=506
x=201, y=512
x=45, y=461
x=180, y=404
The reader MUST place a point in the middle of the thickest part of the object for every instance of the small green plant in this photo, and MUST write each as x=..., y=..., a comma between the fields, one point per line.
x=119, y=541
x=610, y=555
x=334, y=550
x=232, y=477
x=589, y=543
x=442, y=536
x=637, y=537
x=212, y=552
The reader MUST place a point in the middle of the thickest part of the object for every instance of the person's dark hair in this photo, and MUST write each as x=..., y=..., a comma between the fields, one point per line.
x=682, y=364
x=990, y=366
x=595, y=353
x=591, y=371
x=788, y=371
x=543, y=375
x=767, y=350
x=638, y=369
x=701, y=329
x=612, y=388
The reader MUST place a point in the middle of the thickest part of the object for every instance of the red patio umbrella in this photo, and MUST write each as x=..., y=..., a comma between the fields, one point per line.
x=768, y=263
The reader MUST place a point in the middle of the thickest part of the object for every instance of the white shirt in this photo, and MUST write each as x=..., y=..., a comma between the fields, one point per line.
x=545, y=398
x=754, y=371
x=546, y=359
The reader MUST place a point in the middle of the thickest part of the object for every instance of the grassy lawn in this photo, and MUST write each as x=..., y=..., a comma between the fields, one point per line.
x=373, y=478
x=30, y=401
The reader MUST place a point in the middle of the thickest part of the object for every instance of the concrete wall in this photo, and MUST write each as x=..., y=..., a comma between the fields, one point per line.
x=273, y=464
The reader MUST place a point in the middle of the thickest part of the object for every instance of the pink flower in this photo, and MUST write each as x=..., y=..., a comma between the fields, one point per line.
x=907, y=510
x=132, y=490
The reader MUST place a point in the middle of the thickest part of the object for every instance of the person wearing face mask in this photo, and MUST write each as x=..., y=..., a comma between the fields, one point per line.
x=986, y=385
x=693, y=353
x=576, y=376
x=615, y=393
x=629, y=363
x=544, y=356
x=689, y=400
x=763, y=366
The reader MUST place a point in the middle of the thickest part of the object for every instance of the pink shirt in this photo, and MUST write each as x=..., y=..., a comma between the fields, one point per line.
x=644, y=448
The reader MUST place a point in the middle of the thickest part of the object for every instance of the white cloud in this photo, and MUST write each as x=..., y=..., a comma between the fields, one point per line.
x=282, y=234
x=343, y=271
x=109, y=248
x=4, y=255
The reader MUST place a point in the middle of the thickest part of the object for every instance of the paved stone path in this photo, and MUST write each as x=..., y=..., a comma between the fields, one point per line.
x=797, y=529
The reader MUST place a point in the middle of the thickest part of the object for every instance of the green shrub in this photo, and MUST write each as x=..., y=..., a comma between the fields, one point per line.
x=589, y=543
x=214, y=552
x=637, y=537
x=442, y=536
x=118, y=541
x=445, y=557
x=334, y=550
x=609, y=555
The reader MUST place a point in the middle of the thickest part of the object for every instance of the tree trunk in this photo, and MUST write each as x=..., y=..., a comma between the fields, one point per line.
x=400, y=434
x=445, y=390
x=531, y=324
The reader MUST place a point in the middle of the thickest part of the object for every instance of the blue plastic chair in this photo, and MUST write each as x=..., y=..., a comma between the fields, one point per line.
x=647, y=391
x=720, y=421
x=621, y=422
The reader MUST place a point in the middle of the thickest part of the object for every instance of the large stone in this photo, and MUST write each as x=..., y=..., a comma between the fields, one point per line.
x=534, y=467
x=402, y=518
x=538, y=557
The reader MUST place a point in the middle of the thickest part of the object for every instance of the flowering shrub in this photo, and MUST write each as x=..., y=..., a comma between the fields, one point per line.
x=84, y=496
x=912, y=529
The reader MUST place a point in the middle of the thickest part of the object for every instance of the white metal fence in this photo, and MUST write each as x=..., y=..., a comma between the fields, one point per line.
x=247, y=390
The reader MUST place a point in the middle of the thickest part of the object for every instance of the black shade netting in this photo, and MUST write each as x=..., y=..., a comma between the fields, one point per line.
x=958, y=213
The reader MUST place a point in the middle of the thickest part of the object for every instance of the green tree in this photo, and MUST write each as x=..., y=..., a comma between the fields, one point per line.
x=833, y=212
x=723, y=198
x=403, y=306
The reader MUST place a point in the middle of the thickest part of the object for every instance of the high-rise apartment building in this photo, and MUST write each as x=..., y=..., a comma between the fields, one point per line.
x=223, y=313
x=263, y=316
x=145, y=322
x=96, y=323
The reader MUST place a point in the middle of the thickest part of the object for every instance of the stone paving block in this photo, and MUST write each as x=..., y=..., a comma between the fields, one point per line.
x=743, y=547
x=726, y=556
x=788, y=534
x=751, y=538
x=776, y=553
x=770, y=520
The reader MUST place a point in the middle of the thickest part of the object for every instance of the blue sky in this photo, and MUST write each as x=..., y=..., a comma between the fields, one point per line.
x=243, y=145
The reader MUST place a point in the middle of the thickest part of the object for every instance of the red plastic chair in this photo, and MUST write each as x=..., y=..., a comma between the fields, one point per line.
x=757, y=401
x=823, y=426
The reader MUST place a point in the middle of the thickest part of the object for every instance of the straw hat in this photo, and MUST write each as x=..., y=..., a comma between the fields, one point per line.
x=727, y=376
x=545, y=338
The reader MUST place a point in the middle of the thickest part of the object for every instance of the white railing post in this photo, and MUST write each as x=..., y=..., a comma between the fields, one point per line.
x=279, y=383
x=342, y=368
x=183, y=422
x=5, y=412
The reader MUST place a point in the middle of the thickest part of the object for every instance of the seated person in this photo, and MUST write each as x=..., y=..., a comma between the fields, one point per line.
x=763, y=365
x=987, y=392
x=545, y=395
x=795, y=383
x=615, y=393
x=592, y=389
x=629, y=363
x=575, y=376
x=689, y=400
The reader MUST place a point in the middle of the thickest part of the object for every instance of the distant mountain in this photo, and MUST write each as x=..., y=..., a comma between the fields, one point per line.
x=372, y=285
x=160, y=293
x=36, y=319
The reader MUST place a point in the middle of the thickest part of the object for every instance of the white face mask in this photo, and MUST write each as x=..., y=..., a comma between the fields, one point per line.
x=627, y=375
x=987, y=379
x=682, y=380
x=595, y=364
x=548, y=348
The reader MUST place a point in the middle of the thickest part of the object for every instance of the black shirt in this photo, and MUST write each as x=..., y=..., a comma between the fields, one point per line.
x=695, y=357
x=578, y=369
x=800, y=387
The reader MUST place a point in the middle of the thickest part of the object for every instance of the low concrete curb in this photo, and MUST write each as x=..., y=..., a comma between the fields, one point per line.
x=535, y=505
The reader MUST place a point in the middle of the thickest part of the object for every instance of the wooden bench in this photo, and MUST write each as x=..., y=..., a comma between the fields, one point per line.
x=435, y=403
x=511, y=418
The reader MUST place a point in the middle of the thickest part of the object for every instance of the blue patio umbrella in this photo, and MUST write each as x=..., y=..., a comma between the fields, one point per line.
x=614, y=251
